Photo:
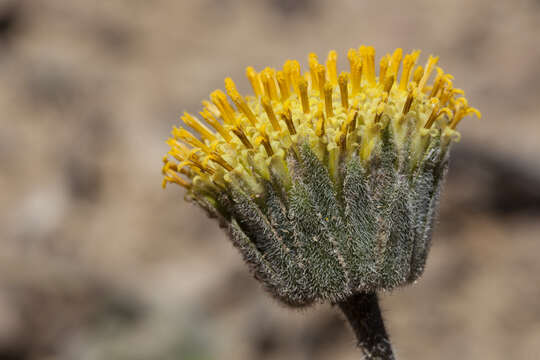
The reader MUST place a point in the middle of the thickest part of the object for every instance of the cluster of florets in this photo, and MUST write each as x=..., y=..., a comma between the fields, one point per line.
x=327, y=183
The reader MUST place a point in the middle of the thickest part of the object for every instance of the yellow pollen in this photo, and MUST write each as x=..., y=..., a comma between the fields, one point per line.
x=209, y=118
x=178, y=150
x=396, y=61
x=356, y=77
x=418, y=73
x=437, y=82
x=449, y=114
x=244, y=108
x=267, y=105
x=353, y=115
x=269, y=84
x=293, y=72
x=434, y=113
x=319, y=130
x=187, y=137
x=219, y=160
x=198, y=126
x=352, y=56
x=286, y=115
x=331, y=65
x=253, y=78
x=410, y=97
x=328, y=99
x=379, y=111
x=264, y=140
x=388, y=82
x=446, y=93
x=172, y=177
x=461, y=113
x=429, y=68
x=211, y=108
x=303, y=88
x=367, y=54
x=408, y=64
x=198, y=166
x=283, y=85
x=239, y=101
x=383, y=66
x=220, y=100
x=321, y=78
x=343, y=88
x=238, y=131
x=230, y=86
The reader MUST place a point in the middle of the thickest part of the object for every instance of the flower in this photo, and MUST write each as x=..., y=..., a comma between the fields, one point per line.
x=328, y=184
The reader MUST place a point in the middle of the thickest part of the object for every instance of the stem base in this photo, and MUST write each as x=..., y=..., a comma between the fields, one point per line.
x=364, y=314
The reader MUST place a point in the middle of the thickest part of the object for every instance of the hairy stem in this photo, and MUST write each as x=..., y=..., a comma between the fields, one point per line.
x=363, y=312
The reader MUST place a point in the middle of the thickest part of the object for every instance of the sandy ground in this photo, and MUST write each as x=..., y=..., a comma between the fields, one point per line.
x=97, y=262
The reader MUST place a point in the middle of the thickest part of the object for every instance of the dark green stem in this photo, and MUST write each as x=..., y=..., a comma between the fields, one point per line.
x=363, y=312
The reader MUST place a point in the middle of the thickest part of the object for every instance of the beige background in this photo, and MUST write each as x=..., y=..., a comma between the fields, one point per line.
x=97, y=262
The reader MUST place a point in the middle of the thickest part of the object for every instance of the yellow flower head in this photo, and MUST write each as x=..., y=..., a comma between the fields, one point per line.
x=338, y=116
x=328, y=184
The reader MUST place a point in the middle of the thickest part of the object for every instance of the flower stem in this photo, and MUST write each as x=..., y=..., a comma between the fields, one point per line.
x=363, y=312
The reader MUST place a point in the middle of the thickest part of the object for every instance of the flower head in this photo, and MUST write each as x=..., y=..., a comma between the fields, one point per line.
x=327, y=183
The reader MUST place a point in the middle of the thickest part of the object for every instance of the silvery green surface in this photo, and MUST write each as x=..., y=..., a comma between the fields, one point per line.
x=310, y=238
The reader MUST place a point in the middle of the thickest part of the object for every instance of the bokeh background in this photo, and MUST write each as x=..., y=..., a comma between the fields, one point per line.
x=97, y=262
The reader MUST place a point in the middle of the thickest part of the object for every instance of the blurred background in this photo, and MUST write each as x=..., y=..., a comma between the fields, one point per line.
x=98, y=262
